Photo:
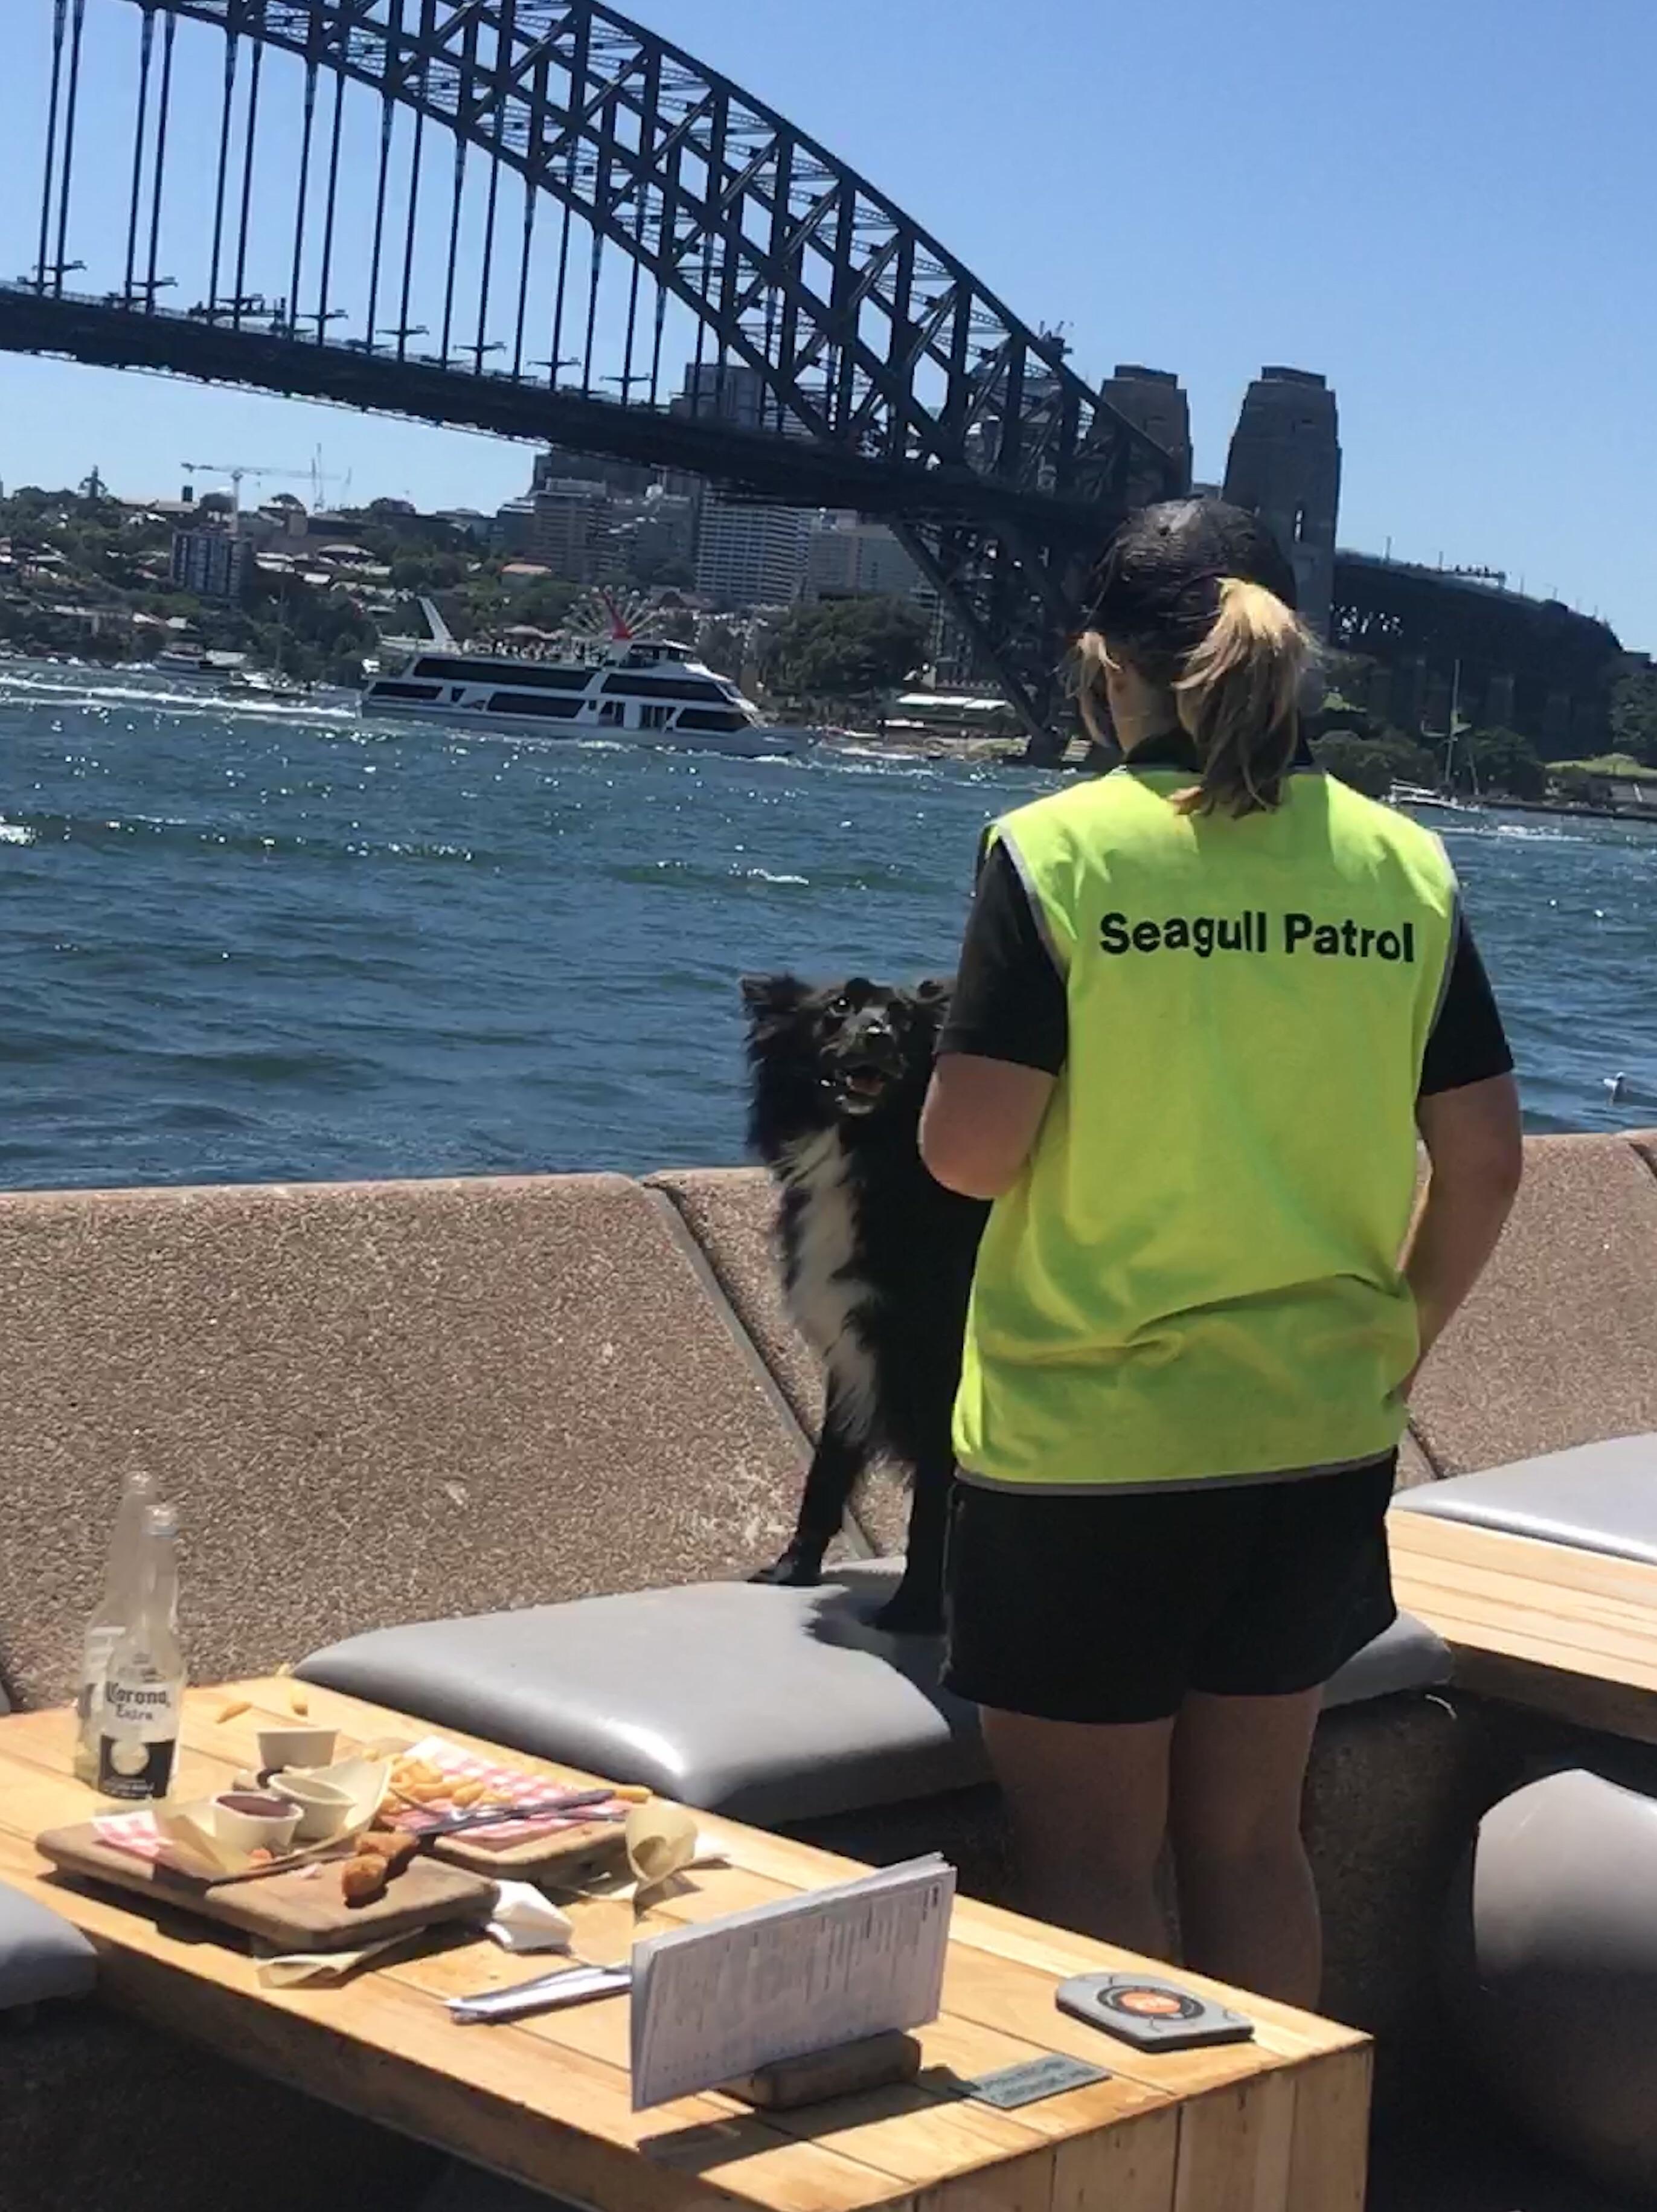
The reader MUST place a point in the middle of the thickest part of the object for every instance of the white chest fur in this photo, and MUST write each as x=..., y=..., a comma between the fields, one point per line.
x=825, y=1288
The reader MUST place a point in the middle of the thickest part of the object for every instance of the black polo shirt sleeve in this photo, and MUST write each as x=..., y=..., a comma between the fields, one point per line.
x=1468, y=1043
x=1010, y=1001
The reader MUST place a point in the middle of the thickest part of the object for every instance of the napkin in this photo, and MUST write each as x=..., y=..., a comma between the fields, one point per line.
x=524, y=1920
x=291, y=1969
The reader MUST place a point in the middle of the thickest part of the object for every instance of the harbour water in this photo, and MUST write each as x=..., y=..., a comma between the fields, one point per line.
x=256, y=943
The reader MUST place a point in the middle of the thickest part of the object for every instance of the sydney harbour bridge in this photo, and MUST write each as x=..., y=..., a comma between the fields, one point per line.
x=526, y=217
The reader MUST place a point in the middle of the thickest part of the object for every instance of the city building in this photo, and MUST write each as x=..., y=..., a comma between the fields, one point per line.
x=847, y=557
x=648, y=536
x=726, y=391
x=212, y=563
x=1284, y=465
x=558, y=464
x=470, y=520
x=751, y=555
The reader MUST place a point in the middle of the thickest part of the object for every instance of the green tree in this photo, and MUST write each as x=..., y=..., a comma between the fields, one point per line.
x=723, y=646
x=1373, y=765
x=852, y=649
x=426, y=572
x=1634, y=713
x=1356, y=761
x=1504, y=762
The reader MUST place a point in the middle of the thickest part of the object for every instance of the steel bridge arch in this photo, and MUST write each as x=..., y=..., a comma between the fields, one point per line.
x=893, y=381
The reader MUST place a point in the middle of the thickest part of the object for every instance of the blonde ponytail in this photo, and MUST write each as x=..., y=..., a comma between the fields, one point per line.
x=1090, y=664
x=1237, y=696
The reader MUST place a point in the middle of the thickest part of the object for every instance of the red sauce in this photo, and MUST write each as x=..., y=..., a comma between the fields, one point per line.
x=256, y=1808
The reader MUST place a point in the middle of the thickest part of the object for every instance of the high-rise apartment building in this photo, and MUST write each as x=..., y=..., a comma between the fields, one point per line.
x=751, y=555
x=848, y=557
x=214, y=564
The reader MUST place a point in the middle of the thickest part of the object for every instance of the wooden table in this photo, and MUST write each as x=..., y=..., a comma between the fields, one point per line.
x=1565, y=1631
x=1275, y=2125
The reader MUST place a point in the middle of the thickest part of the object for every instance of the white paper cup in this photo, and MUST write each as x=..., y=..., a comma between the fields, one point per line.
x=296, y=1746
x=325, y=1809
x=251, y=1831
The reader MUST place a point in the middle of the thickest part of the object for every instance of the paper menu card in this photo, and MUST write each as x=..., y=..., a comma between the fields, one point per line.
x=716, y=2002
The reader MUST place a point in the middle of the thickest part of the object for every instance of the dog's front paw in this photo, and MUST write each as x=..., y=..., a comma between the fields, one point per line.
x=911, y=1613
x=795, y=1570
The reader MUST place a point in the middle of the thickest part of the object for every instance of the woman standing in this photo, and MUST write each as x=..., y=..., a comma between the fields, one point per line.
x=1204, y=1005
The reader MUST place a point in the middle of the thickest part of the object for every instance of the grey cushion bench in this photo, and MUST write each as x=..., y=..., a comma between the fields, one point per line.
x=41, y=1956
x=1600, y=1498
x=774, y=1706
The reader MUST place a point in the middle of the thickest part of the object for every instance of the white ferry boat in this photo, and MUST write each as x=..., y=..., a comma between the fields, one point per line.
x=648, y=691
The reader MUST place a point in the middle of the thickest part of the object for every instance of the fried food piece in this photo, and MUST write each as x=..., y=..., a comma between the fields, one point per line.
x=232, y=1710
x=465, y=1795
x=414, y=1774
x=394, y=1848
x=361, y=1880
x=298, y=1702
x=632, y=1793
x=261, y=1856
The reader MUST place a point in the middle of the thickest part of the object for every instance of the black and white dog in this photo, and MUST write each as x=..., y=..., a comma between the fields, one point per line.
x=876, y=1257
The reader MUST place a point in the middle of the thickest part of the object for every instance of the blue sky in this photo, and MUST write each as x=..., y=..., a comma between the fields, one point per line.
x=1445, y=205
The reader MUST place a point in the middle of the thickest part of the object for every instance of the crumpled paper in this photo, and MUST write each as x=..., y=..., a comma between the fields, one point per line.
x=292, y=1969
x=524, y=1920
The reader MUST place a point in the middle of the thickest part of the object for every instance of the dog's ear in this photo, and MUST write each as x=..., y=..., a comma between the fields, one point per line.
x=769, y=1000
x=935, y=990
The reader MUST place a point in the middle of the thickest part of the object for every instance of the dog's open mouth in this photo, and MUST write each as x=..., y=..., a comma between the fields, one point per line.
x=862, y=1085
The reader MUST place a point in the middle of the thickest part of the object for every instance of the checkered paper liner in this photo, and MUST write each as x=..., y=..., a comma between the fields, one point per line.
x=136, y=1833
x=459, y=1766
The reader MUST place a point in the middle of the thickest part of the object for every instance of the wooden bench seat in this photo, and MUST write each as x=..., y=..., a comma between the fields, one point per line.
x=1560, y=1630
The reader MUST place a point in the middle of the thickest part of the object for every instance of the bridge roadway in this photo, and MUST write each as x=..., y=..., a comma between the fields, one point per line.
x=792, y=471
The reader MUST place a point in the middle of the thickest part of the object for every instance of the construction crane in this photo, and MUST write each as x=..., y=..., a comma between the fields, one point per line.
x=236, y=470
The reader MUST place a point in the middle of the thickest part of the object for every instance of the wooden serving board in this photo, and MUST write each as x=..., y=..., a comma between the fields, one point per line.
x=568, y=1858
x=297, y=1910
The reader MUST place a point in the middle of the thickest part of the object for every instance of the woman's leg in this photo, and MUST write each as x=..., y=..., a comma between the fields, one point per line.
x=1248, y=1912
x=1089, y=1808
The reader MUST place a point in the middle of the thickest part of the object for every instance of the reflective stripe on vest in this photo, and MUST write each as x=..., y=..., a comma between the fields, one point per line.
x=1197, y=1275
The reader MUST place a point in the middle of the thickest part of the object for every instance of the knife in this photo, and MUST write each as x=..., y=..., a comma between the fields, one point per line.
x=490, y=1816
x=570, y=1985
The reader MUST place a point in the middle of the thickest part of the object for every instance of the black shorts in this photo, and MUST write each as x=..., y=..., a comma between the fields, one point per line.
x=1105, y=1609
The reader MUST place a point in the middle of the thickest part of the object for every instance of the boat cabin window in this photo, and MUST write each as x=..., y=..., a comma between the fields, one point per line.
x=664, y=687
x=526, y=675
x=548, y=710
x=386, y=691
x=709, y=718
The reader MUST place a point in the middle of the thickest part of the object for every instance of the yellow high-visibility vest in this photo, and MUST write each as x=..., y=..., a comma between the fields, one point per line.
x=1197, y=1275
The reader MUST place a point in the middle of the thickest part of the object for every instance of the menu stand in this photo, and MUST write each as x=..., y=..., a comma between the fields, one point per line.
x=874, y=2062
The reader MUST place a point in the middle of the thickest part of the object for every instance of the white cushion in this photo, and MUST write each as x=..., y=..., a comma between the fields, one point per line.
x=772, y=1705
x=1600, y=1498
x=41, y=1956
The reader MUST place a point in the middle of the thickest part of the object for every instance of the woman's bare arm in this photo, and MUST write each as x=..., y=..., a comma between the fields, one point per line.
x=1474, y=1145
x=981, y=1120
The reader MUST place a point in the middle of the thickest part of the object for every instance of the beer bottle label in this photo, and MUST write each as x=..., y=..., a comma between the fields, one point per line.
x=139, y=1739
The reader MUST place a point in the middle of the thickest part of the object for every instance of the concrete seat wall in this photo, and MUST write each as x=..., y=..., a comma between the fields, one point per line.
x=730, y=1213
x=377, y=1403
x=373, y=1404
x=1558, y=1344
